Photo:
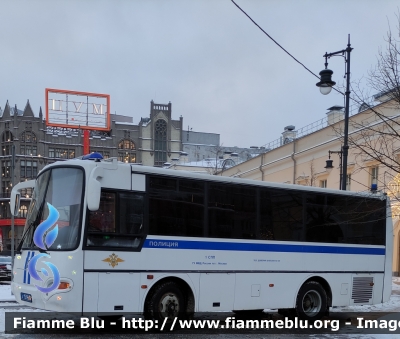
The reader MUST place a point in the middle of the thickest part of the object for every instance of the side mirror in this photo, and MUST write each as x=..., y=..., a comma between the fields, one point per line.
x=15, y=198
x=94, y=189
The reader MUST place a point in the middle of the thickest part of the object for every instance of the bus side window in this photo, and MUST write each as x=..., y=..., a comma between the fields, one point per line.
x=321, y=223
x=130, y=213
x=232, y=211
x=103, y=220
x=287, y=215
x=266, y=231
x=360, y=221
x=176, y=207
x=118, y=222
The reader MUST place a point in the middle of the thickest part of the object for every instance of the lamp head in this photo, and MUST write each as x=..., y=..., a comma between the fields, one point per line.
x=326, y=83
x=329, y=165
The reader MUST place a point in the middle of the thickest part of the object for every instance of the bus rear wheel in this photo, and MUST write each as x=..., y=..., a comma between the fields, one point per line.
x=166, y=301
x=311, y=301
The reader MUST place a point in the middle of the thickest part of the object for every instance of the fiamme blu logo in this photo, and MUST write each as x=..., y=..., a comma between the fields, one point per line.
x=43, y=238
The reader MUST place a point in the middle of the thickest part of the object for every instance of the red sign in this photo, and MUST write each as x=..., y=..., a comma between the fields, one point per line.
x=17, y=222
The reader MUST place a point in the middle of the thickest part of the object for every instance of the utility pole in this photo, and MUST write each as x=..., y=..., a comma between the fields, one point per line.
x=12, y=214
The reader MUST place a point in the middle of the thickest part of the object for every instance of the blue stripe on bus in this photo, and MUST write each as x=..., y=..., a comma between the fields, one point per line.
x=231, y=246
x=29, y=276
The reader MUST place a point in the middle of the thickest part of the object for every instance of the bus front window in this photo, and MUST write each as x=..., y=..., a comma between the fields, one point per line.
x=62, y=188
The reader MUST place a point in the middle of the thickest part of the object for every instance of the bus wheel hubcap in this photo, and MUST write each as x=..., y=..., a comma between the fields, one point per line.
x=169, y=306
x=312, y=302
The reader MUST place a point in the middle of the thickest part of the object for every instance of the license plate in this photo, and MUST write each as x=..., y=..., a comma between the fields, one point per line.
x=26, y=297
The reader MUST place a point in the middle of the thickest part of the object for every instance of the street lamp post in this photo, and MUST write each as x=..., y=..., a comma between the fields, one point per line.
x=329, y=165
x=325, y=86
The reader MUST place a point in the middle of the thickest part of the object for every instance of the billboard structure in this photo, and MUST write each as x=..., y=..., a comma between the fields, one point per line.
x=81, y=110
x=72, y=109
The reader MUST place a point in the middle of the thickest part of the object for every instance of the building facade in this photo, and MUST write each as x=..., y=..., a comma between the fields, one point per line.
x=373, y=160
x=155, y=140
x=202, y=146
x=203, y=153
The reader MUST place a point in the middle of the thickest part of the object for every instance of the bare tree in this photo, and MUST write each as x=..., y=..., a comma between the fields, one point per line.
x=213, y=166
x=375, y=133
x=309, y=180
x=384, y=77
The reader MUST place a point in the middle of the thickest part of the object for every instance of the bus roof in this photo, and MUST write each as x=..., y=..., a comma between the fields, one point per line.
x=140, y=169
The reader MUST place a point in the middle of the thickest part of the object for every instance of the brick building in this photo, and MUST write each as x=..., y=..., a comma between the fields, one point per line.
x=153, y=141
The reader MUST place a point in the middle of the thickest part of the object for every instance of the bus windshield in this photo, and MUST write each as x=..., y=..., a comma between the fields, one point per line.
x=63, y=189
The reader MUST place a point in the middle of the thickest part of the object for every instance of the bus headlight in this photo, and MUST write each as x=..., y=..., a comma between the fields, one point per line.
x=64, y=285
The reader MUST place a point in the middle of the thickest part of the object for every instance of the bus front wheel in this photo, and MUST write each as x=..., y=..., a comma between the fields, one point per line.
x=166, y=301
x=311, y=301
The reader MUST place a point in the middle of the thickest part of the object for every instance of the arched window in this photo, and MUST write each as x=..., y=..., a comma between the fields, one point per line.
x=160, y=142
x=28, y=136
x=126, y=144
x=28, y=143
x=6, y=143
x=126, y=151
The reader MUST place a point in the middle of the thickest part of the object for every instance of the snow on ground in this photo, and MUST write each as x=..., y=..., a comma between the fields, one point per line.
x=393, y=305
x=5, y=293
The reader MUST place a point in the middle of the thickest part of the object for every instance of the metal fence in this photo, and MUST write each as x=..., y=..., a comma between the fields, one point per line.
x=354, y=108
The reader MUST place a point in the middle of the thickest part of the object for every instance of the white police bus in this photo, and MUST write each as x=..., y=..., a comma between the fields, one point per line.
x=115, y=238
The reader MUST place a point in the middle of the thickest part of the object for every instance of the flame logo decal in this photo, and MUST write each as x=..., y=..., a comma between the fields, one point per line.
x=35, y=275
x=50, y=236
x=43, y=238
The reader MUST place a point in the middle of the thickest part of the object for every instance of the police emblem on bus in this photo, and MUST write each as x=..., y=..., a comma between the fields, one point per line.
x=44, y=238
x=113, y=260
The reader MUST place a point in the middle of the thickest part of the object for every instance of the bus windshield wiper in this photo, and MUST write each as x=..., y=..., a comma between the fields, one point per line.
x=18, y=250
x=36, y=222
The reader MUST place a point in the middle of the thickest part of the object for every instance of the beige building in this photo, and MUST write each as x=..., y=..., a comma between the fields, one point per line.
x=300, y=157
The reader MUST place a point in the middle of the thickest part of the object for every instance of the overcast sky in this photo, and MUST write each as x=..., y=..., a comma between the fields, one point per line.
x=219, y=71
